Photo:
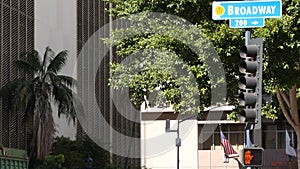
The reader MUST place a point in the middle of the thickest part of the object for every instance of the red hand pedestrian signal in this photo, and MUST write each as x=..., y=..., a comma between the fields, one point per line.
x=253, y=157
x=248, y=157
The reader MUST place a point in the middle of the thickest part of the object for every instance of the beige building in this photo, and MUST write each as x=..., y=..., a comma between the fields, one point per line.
x=207, y=142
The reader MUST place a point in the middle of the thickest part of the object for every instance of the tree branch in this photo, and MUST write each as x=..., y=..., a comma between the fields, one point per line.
x=285, y=96
x=282, y=106
x=293, y=104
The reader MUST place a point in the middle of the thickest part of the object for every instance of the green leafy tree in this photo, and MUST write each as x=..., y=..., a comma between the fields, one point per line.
x=53, y=162
x=76, y=152
x=281, y=69
x=34, y=96
x=281, y=50
x=144, y=80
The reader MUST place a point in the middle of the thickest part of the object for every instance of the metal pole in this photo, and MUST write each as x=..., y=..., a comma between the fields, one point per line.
x=178, y=140
x=178, y=144
x=247, y=39
x=248, y=140
x=247, y=36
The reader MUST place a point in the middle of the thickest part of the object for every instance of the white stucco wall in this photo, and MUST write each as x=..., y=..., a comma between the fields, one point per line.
x=55, y=26
x=158, y=148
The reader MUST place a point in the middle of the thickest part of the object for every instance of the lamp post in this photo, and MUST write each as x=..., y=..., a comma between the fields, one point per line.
x=178, y=140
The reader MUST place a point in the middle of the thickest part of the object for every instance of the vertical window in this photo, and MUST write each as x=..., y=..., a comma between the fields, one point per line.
x=269, y=136
x=210, y=139
x=274, y=136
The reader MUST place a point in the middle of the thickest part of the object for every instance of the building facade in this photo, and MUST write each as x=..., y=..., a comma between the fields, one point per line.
x=94, y=21
x=16, y=37
x=207, y=142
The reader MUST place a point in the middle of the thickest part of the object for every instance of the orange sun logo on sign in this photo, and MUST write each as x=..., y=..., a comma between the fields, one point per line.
x=219, y=10
x=248, y=157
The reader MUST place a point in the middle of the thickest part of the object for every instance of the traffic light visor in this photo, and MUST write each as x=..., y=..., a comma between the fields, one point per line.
x=247, y=82
x=247, y=115
x=247, y=99
x=247, y=66
x=248, y=51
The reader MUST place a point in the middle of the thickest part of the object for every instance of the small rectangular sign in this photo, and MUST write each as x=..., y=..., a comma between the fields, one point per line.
x=222, y=10
x=247, y=23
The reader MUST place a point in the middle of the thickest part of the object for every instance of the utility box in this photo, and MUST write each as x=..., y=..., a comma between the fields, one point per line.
x=14, y=159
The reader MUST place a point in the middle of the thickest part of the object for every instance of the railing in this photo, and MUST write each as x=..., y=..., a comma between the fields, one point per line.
x=14, y=159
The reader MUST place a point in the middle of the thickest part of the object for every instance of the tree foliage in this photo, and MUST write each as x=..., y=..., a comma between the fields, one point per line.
x=281, y=48
x=281, y=36
x=282, y=66
x=190, y=45
x=34, y=96
x=73, y=153
x=53, y=161
x=280, y=59
x=281, y=54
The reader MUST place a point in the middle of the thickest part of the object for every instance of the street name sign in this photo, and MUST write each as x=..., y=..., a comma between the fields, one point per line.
x=247, y=23
x=222, y=10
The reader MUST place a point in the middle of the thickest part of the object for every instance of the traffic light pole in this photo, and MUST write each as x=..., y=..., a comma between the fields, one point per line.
x=247, y=36
x=248, y=136
x=250, y=127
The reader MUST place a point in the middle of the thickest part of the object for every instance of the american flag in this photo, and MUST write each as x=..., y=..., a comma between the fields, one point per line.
x=228, y=149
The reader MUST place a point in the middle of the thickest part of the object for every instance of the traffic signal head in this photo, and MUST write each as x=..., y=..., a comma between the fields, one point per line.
x=247, y=115
x=167, y=125
x=248, y=51
x=247, y=99
x=253, y=157
x=248, y=81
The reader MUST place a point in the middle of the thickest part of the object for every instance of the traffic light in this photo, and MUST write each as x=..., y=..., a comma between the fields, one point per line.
x=248, y=82
x=253, y=157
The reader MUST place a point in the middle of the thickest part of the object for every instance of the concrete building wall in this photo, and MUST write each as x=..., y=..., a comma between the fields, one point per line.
x=214, y=159
x=158, y=147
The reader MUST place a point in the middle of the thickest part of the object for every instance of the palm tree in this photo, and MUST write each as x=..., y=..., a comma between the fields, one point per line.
x=34, y=96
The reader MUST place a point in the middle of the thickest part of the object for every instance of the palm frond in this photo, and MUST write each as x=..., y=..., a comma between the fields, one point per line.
x=67, y=101
x=25, y=66
x=33, y=58
x=58, y=62
x=17, y=93
x=69, y=81
x=22, y=93
x=29, y=110
x=63, y=98
x=9, y=88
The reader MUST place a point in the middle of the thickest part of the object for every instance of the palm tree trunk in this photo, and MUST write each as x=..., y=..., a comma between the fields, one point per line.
x=43, y=128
